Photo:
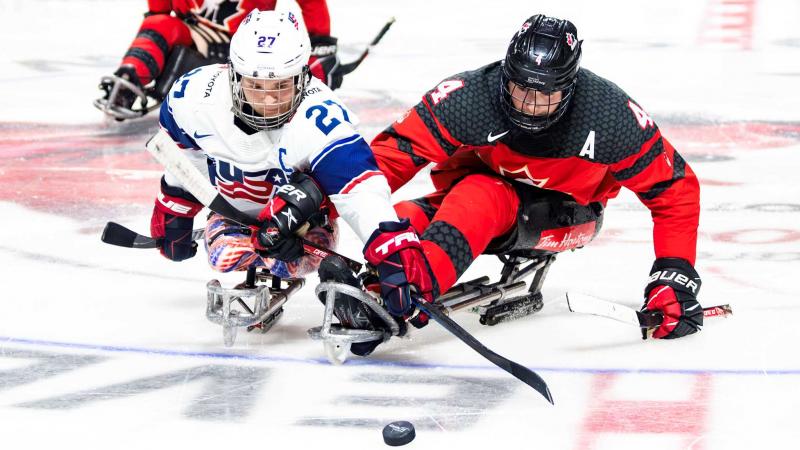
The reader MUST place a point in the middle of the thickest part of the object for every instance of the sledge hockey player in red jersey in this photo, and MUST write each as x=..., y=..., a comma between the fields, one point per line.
x=528, y=150
x=180, y=35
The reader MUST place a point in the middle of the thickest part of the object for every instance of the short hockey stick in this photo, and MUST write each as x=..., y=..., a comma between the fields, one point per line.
x=165, y=151
x=116, y=234
x=587, y=304
x=519, y=371
x=349, y=67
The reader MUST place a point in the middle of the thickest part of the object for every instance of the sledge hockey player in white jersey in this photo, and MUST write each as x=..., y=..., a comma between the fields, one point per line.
x=278, y=144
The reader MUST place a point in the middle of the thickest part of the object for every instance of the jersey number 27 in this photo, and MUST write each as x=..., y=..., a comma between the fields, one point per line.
x=324, y=123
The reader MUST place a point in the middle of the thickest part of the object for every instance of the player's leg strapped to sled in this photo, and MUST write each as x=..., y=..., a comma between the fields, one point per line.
x=165, y=48
x=480, y=214
x=546, y=223
x=486, y=214
x=257, y=303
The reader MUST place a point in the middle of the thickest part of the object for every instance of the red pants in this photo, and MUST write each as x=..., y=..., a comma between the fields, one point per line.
x=157, y=36
x=457, y=224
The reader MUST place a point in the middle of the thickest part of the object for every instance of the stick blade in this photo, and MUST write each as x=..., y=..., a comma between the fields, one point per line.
x=116, y=234
x=518, y=371
x=586, y=304
x=532, y=379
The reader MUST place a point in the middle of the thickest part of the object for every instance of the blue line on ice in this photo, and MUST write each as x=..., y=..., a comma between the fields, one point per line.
x=378, y=363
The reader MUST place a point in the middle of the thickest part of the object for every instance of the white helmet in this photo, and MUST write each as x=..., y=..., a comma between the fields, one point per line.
x=269, y=67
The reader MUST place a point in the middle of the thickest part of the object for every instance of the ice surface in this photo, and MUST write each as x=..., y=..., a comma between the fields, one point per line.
x=109, y=348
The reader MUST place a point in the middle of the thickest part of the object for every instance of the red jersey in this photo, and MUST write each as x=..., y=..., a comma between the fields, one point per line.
x=603, y=142
x=226, y=15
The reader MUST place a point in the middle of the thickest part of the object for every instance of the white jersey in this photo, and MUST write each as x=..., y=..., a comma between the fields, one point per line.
x=247, y=166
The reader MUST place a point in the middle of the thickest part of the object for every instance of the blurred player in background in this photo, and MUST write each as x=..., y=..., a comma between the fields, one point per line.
x=180, y=35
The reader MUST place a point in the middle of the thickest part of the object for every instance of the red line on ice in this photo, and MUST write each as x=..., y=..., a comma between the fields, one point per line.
x=728, y=22
x=607, y=415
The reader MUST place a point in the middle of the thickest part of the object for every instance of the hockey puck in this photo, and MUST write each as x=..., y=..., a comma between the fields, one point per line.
x=398, y=433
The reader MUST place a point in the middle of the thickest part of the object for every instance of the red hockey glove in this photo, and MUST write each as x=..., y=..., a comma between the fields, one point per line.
x=324, y=64
x=394, y=250
x=292, y=207
x=172, y=222
x=672, y=290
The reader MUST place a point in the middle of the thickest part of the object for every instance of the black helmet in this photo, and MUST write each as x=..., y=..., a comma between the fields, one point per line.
x=544, y=55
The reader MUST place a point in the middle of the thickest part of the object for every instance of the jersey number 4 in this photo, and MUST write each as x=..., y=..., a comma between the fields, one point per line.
x=642, y=117
x=444, y=89
x=324, y=123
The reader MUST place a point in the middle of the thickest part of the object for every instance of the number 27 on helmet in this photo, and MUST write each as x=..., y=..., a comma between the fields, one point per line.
x=268, y=68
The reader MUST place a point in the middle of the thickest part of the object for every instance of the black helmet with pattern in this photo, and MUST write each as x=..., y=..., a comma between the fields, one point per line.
x=544, y=56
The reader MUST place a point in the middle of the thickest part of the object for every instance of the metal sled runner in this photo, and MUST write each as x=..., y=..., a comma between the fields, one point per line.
x=256, y=304
x=499, y=301
x=337, y=339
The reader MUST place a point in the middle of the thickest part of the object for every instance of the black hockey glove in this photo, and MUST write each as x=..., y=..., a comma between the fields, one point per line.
x=172, y=221
x=293, y=209
x=324, y=64
x=672, y=290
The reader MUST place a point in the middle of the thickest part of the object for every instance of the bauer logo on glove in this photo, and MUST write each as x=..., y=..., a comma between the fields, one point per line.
x=672, y=291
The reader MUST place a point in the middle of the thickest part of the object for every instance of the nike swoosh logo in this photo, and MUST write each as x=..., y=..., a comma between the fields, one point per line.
x=201, y=136
x=491, y=138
